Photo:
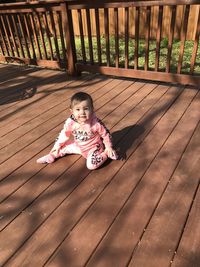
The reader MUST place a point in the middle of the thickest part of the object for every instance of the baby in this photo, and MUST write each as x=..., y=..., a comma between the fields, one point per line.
x=91, y=138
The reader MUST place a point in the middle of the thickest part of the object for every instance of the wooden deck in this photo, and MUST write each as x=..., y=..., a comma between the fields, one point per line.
x=142, y=210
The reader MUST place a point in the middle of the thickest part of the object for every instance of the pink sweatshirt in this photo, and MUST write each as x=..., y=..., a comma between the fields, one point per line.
x=86, y=136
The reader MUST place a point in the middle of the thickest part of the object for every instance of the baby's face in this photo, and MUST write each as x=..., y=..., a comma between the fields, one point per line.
x=82, y=111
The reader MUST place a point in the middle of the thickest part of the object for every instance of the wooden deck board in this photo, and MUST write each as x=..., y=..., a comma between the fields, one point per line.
x=65, y=215
x=188, y=248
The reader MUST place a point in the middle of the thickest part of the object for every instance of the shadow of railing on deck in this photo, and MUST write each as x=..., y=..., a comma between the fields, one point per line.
x=25, y=90
x=18, y=95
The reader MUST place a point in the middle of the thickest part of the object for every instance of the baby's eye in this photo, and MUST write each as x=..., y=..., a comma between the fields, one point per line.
x=86, y=108
x=77, y=109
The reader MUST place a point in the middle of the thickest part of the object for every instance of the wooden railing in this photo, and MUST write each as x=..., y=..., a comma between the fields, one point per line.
x=34, y=33
x=42, y=33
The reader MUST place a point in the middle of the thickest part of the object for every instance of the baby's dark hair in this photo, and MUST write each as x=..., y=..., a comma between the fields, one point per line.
x=81, y=96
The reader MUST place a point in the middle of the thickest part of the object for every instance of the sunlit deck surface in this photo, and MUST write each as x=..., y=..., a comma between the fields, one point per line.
x=142, y=210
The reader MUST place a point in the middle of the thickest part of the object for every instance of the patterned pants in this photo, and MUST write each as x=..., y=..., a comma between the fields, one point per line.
x=94, y=158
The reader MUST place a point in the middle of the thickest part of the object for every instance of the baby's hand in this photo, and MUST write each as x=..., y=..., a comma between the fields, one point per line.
x=111, y=153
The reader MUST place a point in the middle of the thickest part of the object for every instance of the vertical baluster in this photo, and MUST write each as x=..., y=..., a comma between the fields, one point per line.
x=98, y=35
x=35, y=35
x=171, y=37
x=12, y=36
x=106, y=26
x=23, y=35
x=55, y=37
x=137, y=20
x=89, y=36
x=183, y=37
x=16, y=33
x=126, y=37
x=1, y=47
x=147, y=35
x=47, y=34
x=41, y=35
x=60, y=29
x=158, y=37
x=10, y=50
x=116, y=22
x=29, y=35
x=80, y=20
x=3, y=38
x=196, y=44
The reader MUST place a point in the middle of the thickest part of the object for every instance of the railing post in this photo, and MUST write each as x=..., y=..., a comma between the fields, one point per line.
x=69, y=38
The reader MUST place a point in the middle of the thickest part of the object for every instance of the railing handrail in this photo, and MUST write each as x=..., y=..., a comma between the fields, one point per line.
x=33, y=3
x=103, y=3
x=86, y=4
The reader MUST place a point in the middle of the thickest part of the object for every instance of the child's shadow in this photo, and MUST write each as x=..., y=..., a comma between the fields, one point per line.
x=13, y=95
x=124, y=139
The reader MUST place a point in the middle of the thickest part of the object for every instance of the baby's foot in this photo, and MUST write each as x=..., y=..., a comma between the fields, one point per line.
x=114, y=156
x=46, y=159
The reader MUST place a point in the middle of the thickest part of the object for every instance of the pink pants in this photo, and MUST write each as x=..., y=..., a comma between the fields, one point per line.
x=94, y=158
